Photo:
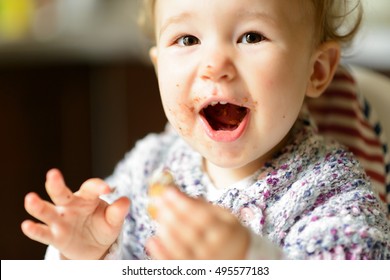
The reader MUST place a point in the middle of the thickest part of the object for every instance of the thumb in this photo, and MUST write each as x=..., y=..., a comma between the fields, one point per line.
x=116, y=212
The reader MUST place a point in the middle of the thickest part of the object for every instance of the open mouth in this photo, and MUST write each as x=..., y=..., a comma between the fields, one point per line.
x=223, y=116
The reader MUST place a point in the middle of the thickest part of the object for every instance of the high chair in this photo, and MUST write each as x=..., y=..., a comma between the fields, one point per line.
x=355, y=110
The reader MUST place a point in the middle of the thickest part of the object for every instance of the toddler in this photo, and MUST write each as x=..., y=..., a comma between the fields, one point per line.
x=252, y=179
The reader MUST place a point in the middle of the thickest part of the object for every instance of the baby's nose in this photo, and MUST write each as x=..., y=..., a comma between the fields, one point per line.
x=217, y=66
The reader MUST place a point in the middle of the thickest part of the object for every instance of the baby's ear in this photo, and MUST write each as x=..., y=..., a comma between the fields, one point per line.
x=326, y=59
x=153, y=56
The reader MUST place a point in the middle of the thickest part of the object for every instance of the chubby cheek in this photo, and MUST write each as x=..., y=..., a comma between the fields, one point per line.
x=281, y=89
x=279, y=104
x=179, y=112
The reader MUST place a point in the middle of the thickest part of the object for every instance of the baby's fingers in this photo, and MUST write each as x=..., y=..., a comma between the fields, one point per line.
x=157, y=250
x=116, y=212
x=92, y=189
x=37, y=232
x=40, y=209
x=59, y=193
x=194, y=212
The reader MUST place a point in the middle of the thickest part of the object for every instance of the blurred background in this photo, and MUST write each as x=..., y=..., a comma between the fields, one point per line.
x=77, y=91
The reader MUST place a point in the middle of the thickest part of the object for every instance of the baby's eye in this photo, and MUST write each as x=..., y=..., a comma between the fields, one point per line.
x=251, y=38
x=187, y=41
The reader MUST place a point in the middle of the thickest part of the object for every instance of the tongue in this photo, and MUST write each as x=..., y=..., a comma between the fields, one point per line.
x=224, y=117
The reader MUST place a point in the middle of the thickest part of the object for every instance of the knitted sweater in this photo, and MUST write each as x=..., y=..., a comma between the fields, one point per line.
x=312, y=199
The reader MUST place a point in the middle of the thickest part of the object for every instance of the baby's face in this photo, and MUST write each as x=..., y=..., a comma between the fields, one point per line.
x=233, y=74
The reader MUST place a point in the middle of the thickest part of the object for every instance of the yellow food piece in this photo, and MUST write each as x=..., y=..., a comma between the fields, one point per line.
x=160, y=182
x=156, y=189
x=152, y=211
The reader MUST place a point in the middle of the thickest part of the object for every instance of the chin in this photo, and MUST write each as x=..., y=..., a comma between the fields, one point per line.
x=227, y=162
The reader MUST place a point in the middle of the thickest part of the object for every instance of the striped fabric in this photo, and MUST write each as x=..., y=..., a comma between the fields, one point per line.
x=345, y=115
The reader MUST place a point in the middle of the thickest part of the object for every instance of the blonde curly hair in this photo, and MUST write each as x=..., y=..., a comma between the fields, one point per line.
x=336, y=20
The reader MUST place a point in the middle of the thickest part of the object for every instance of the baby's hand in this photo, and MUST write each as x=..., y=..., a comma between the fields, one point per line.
x=80, y=225
x=191, y=228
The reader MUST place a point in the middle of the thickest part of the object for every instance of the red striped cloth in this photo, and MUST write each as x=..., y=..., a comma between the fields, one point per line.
x=345, y=115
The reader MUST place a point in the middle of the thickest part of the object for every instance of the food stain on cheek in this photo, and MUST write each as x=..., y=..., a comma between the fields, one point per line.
x=208, y=71
x=171, y=112
x=186, y=109
x=181, y=118
x=182, y=128
x=191, y=108
x=253, y=105
x=196, y=100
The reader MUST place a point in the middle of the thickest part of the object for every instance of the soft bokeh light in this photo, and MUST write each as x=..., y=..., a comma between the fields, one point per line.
x=107, y=29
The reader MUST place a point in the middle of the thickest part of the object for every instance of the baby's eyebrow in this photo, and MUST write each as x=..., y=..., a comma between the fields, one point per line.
x=174, y=20
x=253, y=14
